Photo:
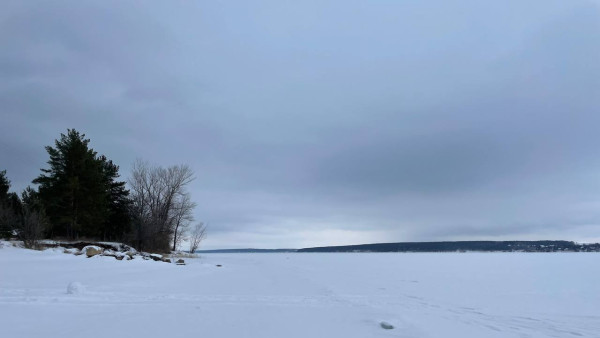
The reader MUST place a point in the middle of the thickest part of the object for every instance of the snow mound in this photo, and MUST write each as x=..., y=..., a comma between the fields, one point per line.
x=75, y=288
x=56, y=249
x=11, y=244
x=71, y=251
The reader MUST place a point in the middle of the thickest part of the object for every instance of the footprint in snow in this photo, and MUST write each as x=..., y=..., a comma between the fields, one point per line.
x=386, y=326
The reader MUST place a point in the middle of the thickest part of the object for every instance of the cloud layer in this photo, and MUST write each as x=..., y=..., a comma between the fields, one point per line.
x=325, y=122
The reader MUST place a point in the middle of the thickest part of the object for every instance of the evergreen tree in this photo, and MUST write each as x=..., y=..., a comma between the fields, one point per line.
x=10, y=208
x=31, y=199
x=4, y=185
x=118, y=223
x=78, y=191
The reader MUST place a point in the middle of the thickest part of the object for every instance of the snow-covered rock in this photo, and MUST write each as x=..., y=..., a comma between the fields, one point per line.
x=156, y=257
x=92, y=250
x=119, y=255
x=116, y=246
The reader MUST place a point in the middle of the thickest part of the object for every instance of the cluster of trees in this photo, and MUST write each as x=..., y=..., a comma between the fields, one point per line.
x=23, y=216
x=161, y=207
x=80, y=196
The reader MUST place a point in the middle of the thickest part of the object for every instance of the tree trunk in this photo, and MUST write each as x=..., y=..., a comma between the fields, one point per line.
x=175, y=238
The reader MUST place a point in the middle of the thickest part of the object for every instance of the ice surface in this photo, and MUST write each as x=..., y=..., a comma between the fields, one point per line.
x=302, y=295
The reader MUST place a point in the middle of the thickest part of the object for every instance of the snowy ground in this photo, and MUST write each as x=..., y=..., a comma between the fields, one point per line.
x=301, y=295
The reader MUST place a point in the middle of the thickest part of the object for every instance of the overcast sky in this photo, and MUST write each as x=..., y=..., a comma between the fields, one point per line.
x=314, y=123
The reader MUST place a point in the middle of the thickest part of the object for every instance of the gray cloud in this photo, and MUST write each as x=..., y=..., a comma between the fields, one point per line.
x=320, y=123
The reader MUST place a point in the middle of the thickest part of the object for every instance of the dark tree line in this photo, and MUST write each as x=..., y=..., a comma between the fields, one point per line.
x=462, y=246
x=80, y=196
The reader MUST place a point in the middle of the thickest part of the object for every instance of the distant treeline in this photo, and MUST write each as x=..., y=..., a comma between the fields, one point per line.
x=80, y=196
x=463, y=246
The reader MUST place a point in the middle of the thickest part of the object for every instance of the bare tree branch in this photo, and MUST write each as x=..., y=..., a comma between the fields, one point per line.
x=196, y=236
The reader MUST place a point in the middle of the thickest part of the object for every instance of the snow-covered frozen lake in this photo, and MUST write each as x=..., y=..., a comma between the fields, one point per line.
x=301, y=295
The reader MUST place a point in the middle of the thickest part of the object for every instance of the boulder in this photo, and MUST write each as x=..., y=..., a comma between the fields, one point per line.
x=180, y=262
x=156, y=257
x=92, y=250
x=166, y=260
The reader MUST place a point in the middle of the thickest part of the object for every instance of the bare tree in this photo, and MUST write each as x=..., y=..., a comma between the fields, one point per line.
x=33, y=220
x=182, y=218
x=159, y=203
x=197, y=234
x=32, y=227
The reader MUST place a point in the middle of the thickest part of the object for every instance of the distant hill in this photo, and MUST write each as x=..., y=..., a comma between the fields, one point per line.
x=458, y=246
x=503, y=246
x=245, y=250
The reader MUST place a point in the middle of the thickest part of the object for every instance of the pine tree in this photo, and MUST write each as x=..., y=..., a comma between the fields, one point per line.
x=4, y=185
x=118, y=223
x=78, y=190
x=10, y=208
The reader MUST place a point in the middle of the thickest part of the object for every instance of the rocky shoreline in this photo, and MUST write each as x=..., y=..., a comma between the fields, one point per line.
x=119, y=251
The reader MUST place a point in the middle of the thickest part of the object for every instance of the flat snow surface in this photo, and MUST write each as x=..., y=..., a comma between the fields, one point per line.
x=52, y=294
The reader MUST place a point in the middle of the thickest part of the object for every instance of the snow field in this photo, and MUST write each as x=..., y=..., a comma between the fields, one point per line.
x=301, y=295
